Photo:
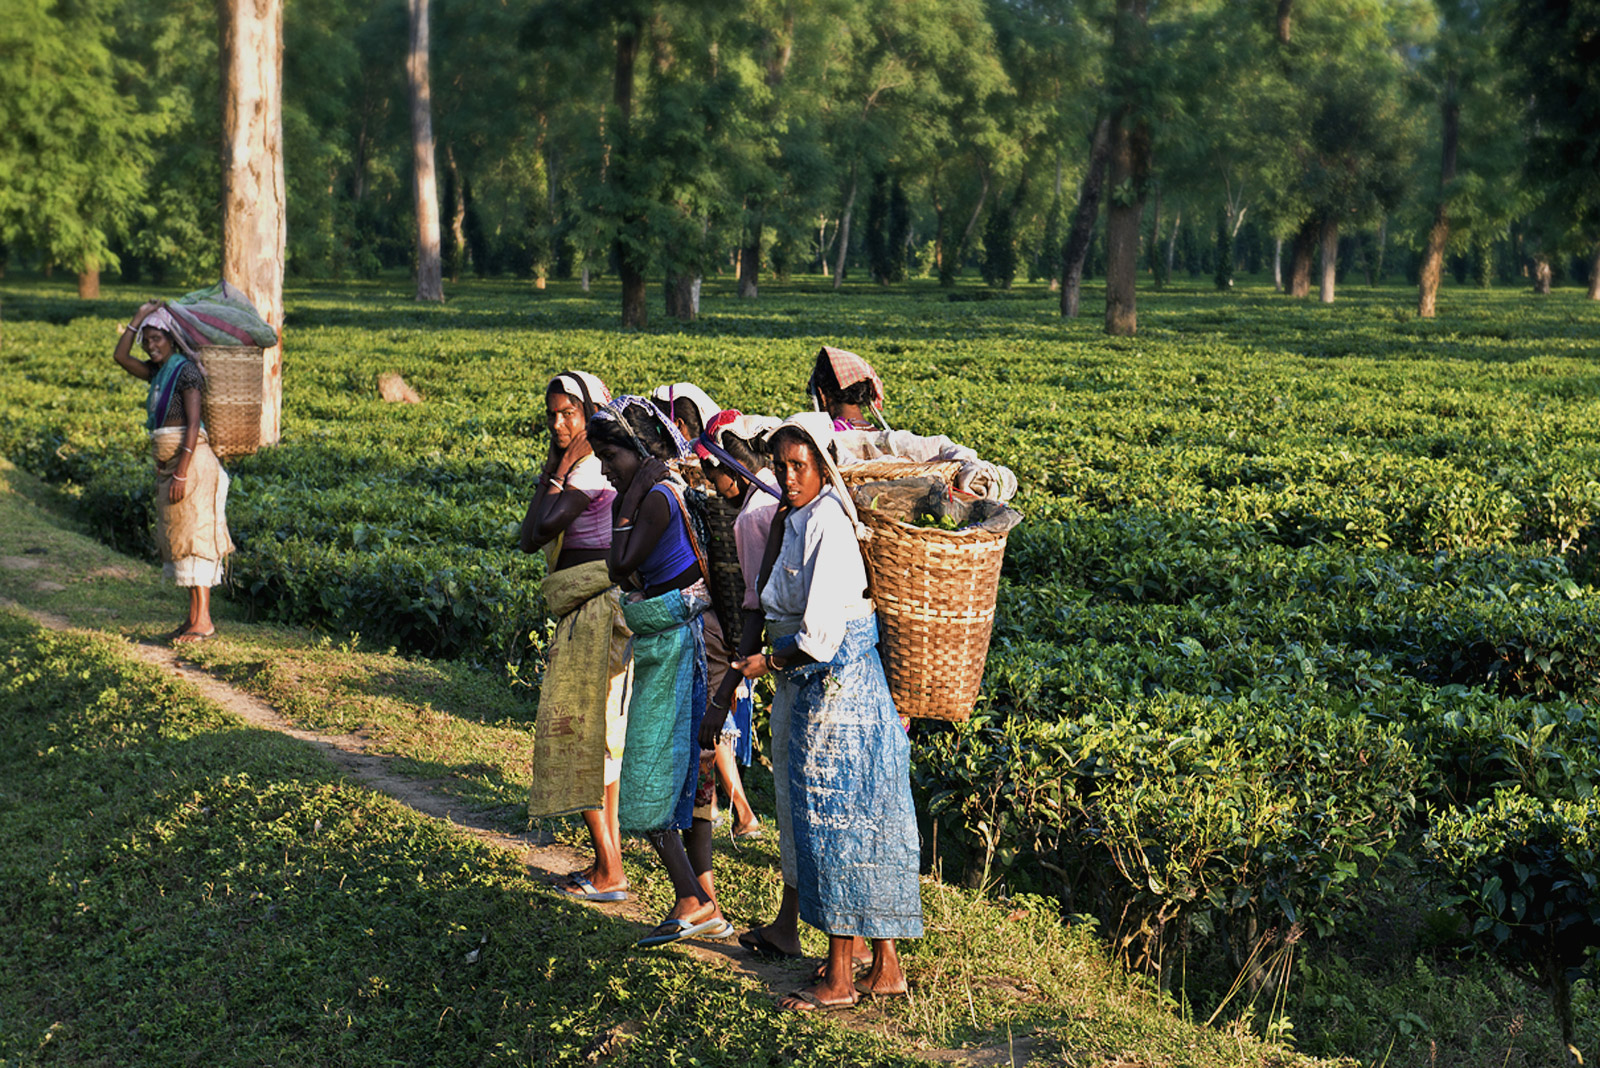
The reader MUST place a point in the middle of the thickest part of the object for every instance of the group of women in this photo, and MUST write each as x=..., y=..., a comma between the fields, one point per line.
x=634, y=725
x=634, y=712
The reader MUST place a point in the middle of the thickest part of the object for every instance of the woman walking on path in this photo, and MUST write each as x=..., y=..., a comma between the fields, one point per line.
x=191, y=486
x=837, y=739
x=582, y=724
x=656, y=552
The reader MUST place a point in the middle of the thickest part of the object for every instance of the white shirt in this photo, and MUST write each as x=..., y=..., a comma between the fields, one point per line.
x=750, y=529
x=819, y=580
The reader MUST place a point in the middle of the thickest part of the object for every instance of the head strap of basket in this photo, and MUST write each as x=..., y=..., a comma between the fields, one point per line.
x=749, y=428
x=817, y=427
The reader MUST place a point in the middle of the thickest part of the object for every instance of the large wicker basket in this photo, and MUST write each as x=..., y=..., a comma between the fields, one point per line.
x=935, y=594
x=231, y=401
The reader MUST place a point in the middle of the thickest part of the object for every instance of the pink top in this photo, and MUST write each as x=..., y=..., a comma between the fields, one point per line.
x=750, y=529
x=592, y=528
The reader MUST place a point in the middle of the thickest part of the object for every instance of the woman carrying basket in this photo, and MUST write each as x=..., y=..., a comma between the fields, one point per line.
x=582, y=724
x=191, y=486
x=838, y=743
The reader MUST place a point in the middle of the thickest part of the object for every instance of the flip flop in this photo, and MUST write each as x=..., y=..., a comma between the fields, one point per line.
x=584, y=890
x=750, y=835
x=857, y=966
x=721, y=929
x=865, y=992
x=189, y=637
x=669, y=931
x=756, y=942
x=806, y=1001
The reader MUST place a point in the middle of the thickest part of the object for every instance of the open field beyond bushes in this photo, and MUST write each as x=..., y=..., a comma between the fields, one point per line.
x=1299, y=586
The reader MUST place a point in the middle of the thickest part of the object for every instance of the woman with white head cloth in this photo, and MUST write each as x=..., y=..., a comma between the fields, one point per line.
x=843, y=756
x=191, y=486
x=583, y=724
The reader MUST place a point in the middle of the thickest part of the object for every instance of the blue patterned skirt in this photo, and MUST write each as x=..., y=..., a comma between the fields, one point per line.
x=855, y=832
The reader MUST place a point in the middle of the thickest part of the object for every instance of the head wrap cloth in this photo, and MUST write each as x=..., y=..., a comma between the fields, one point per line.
x=848, y=369
x=703, y=404
x=614, y=411
x=581, y=386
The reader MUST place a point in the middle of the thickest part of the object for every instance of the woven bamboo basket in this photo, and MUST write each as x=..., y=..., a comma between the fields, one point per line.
x=935, y=593
x=231, y=401
x=726, y=581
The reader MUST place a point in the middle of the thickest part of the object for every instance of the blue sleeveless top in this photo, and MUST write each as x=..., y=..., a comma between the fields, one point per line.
x=673, y=553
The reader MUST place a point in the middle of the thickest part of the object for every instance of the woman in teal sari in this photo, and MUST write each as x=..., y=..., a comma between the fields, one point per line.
x=191, y=486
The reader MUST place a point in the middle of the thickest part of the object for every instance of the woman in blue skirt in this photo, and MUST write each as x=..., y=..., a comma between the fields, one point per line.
x=847, y=766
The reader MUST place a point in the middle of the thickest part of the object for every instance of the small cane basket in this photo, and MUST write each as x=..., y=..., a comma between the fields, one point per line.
x=230, y=404
x=935, y=594
x=726, y=581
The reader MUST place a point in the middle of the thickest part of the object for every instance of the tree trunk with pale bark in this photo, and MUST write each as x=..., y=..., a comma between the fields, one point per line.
x=682, y=293
x=253, y=213
x=1594, y=273
x=844, y=228
x=1330, y=257
x=1439, y=232
x=1542, y=275
x=1076, y=250
x=430, y=284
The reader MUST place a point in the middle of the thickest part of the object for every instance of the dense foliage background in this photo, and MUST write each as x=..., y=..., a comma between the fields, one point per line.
x=894, y=138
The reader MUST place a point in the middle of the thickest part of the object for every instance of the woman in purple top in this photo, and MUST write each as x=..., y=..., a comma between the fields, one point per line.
x=582, y=725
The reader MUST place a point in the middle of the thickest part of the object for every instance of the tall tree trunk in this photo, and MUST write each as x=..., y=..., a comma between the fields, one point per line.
x=458, y=216
x=683, y=296
x=1542, y=275
x=429, y=284
x=1594, y=273
x=1277, y=264
x=89, y=282
x=1439, y=232
x=1330, y=256
x=1172, y=240
x=1076, y=250
x=844, y=228
x=1285, y=20
x=253, y=216
x=630, y=268
x=1129, y=175
x=750, y=259
x=1300, y=258
x=1154, y=254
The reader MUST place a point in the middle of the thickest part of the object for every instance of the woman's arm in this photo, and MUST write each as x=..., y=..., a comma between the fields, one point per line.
x=635, y=537
x=191, y=437
x=123, y=353
x=553, y=509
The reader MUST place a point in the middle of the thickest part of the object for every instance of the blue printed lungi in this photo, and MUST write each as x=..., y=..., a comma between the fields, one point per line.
x=849, y=770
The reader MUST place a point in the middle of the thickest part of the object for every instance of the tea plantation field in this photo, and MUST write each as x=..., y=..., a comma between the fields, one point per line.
x=1300, y=588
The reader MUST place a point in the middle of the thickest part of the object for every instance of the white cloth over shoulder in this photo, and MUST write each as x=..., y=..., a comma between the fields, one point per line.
x=819, y=547
x=976, y=476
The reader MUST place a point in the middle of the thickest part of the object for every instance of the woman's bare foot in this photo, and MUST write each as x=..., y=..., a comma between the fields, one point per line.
x=884, y=979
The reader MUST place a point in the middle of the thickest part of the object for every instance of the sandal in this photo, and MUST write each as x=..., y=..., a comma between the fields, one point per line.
x=755, y=940
x=189, y=637
x=806, y=1001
